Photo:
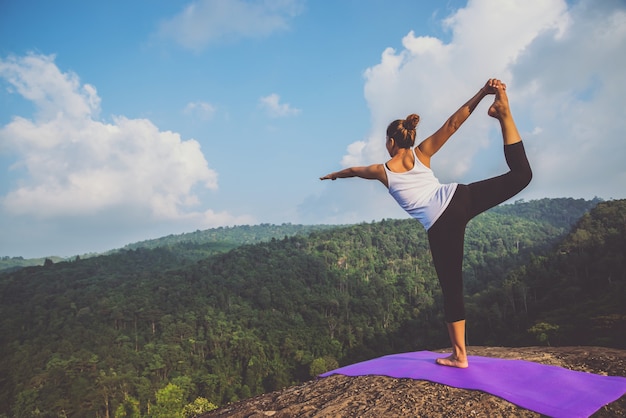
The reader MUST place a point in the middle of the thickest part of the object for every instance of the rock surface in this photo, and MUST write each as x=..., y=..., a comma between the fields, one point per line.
x=379, y=396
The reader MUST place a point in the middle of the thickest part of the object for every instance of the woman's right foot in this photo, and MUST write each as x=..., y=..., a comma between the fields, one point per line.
x=500, y=110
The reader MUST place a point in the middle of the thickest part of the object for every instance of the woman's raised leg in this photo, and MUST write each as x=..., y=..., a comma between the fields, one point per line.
x=488, y=193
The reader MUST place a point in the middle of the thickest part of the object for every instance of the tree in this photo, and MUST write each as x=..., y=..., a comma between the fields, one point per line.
x=128, y=409
x=543, y=331
x=169, y=402
x=198, y=406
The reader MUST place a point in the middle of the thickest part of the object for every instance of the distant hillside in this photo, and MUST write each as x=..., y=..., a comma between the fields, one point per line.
x=195, y=245
x=560, y=213
x=143, y=327
x=8, y=264
x=231, y=235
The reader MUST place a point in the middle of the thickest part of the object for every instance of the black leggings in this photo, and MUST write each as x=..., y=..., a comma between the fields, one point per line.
x=447, y=235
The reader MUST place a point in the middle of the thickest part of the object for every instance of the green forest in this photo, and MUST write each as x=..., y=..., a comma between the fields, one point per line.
x=184, y=324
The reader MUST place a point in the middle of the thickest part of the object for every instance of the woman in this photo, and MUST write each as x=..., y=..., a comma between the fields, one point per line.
x=445, y=209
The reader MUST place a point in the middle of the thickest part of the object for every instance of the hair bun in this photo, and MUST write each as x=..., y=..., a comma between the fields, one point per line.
x=411, y=121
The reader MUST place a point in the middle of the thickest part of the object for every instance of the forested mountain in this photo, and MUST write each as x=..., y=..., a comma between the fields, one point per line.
x=142, y=333
x=193, y=245
x=15, y=263
x=230, y=236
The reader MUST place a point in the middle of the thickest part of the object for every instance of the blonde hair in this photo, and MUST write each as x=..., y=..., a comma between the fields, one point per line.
x=403, y=131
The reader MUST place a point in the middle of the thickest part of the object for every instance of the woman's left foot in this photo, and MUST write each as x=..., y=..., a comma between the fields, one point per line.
x=500, y=107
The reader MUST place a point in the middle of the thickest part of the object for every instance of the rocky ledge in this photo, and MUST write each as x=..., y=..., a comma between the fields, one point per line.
x=379, y=396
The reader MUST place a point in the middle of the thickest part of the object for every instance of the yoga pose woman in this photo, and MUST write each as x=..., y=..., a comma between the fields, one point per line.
x=445, y=209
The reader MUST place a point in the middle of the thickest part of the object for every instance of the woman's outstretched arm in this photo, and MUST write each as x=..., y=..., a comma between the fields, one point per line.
x=370, y=172
x=433, y=143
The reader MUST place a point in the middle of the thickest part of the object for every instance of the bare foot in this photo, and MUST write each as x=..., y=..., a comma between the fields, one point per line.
x=453, y=361
x=500, y=107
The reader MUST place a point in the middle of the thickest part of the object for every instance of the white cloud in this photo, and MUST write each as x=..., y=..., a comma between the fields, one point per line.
x=548, y=54
x=36, y=78
x=433, y=79
x=202, y=110
x=71, y=164
x=574, y=91
x=203, y=22
x=564, y=68
x=276, y=109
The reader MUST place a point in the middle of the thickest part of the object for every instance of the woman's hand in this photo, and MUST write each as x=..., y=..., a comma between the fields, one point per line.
x=330, y=176
x=492, y=85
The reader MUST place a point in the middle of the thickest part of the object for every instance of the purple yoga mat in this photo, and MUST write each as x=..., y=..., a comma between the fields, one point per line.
x=548, y=390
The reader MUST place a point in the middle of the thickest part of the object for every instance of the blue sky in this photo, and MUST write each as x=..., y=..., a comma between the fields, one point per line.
x=123, y=121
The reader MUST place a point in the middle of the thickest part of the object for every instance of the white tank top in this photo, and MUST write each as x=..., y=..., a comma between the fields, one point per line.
x=419, y=192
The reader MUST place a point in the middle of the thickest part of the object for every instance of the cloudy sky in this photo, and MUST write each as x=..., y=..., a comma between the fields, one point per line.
x=122, y=121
